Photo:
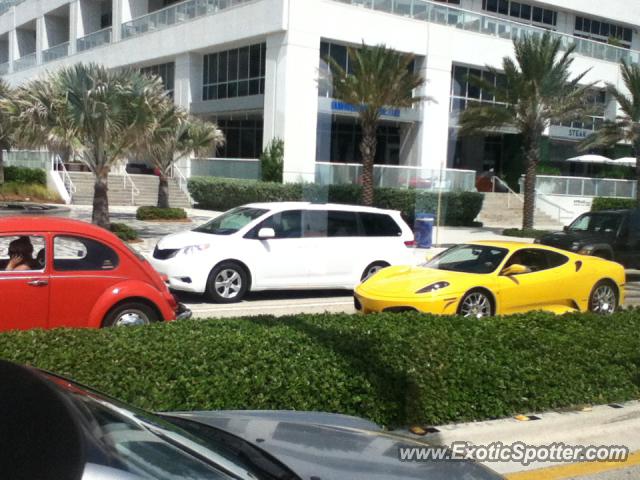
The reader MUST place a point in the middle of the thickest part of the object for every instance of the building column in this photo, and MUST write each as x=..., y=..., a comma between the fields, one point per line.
x=75, y=27
x=291, y=100
x=13, y=48
x=188, y=79
x=118, y=17
x=434, y=130
x=41, y=38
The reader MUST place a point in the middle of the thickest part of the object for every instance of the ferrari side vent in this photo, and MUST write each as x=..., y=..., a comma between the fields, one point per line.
x=578, y=265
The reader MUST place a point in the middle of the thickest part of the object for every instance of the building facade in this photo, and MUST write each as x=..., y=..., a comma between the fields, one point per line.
x=258, y=68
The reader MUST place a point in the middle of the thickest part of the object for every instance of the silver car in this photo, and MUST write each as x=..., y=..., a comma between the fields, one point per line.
x=53, y=428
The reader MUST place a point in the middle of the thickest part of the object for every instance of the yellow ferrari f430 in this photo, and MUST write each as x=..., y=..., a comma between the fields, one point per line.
x=496, y=278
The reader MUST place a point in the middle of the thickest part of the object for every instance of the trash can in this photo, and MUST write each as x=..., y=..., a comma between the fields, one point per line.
x=423, y=229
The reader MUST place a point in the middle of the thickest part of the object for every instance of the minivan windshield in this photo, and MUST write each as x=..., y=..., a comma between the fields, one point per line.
x=232, y=221
x=597, y=223
x=469, y=259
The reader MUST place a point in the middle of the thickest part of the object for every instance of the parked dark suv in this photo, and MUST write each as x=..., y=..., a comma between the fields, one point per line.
x=610, y=234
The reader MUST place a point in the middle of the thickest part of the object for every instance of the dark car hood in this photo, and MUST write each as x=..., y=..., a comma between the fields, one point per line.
x=321, y=446
x=566, y=239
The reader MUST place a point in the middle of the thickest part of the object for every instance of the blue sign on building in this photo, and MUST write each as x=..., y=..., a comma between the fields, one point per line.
x=339, y=106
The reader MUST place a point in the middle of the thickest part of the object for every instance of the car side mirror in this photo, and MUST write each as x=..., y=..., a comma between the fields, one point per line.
x=514, y=269
x=565, y=228
x=266, y=233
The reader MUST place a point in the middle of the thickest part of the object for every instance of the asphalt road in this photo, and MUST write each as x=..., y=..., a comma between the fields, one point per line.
x=318, y=301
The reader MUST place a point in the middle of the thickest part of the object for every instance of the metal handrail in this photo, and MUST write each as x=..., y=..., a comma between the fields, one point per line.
x=57, y=165
x=183, y=181
x=510, y=191
x=134, y=190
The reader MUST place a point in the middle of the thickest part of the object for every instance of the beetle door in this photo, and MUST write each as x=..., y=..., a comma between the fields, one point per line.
x=24, y=291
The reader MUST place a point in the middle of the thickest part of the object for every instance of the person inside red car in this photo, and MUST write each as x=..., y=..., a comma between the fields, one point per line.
x=21, y=255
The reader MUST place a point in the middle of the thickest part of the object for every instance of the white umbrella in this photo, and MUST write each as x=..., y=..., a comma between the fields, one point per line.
x=625, y=161
x=590, y=158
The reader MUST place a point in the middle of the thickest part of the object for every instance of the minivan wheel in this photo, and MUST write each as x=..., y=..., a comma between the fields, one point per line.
x=130, y=314
x=372, y=269
x=604, y=298
x=227, y=283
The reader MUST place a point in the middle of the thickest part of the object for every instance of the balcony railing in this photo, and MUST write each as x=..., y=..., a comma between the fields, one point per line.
x=94, y=40
x=54, y=53
x=584, y=186
x=248, y=169
x=24, y=62
x=488, y=25
x=4, y=68
x=174, y=14
x=400, y=176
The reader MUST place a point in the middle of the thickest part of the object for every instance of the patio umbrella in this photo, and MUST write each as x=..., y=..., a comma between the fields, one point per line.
x=625, y=161
x=590, y=158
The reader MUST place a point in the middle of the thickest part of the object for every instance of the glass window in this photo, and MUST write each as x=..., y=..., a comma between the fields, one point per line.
x=342, y=224
x=514, y=11
x=481, y=259
x=525, y=12
x=503, y=7
x=314, y=223
x=536, y=259
x=537, y=14
x=286, y=224
x=72, y=253
x=231, y=221
x=492, y=5
x=227, y=74
x=22, y=253
x=474, y=90
x=223, y=64
x=379, y=225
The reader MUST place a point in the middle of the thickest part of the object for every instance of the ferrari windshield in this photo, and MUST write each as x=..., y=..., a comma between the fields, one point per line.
x=231, y=221
x=469, y=259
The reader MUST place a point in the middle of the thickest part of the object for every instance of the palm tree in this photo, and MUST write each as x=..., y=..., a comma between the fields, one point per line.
x=626, y=126
x=6, y=127
x=380, y=77
x=537, y=90
x=174, y=136
x=97, y=114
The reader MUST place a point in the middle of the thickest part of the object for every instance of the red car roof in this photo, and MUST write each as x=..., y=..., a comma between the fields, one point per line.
x=52, y=224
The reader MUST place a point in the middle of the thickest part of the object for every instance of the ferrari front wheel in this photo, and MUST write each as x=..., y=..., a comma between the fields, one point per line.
x=476, y=304
x=603, y=299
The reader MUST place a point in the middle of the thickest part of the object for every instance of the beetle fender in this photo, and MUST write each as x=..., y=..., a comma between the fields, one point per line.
x=125, y=290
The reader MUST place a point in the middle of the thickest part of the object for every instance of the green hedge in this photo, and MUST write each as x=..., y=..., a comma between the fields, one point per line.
x=25, y=175
x=124, y=231
x=395, y=369
x=458, y=208
x=607, y=203
x=156, y=213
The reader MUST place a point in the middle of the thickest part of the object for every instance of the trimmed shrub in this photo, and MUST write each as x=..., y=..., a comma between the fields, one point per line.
x=607, y=203
x=272, y=161
x=457, y=208
x=156, y=213
x=124, y=231
x=526, y=233
x=24, y=175
x=33, y=192
x=395, y=369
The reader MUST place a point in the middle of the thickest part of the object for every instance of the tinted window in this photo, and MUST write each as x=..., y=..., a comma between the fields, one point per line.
x=536, y=260
x=379, y=225
x=342, y=224
x=78, y=253
x=285, y=225
x=314, y=223
x=597, y=222
x=231, y=221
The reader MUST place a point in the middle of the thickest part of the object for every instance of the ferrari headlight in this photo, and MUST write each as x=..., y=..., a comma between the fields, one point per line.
x=434, y=287
x=191, y=249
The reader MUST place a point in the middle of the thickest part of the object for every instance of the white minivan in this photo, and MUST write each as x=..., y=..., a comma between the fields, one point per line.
x=283, y=245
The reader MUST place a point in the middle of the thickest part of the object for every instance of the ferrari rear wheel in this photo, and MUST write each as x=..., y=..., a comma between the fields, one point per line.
x=604, y=298
x=476, y=304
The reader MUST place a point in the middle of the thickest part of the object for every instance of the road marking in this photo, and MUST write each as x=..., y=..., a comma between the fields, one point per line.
x=575, y=469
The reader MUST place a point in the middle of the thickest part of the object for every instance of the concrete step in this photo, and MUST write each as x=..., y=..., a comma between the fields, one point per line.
x=504, y=210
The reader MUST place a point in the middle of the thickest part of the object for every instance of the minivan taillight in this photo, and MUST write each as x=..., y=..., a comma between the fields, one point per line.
x=410, y=243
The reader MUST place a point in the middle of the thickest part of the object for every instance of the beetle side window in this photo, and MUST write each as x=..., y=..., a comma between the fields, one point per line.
x=72, y=253
x=379, y=225
x=22, y=253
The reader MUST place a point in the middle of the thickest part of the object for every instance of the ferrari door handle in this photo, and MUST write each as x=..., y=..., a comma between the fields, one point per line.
x=38, y=283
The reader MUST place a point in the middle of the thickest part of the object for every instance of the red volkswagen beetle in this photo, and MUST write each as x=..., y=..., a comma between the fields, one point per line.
x=58, y=272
